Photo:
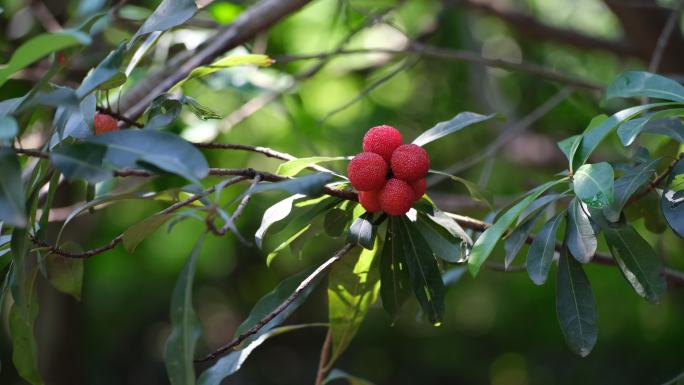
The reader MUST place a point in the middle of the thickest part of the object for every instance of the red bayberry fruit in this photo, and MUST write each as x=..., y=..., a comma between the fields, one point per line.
x=104, y=123
x=410, y=162
x=419, y=186
x=396, y=197
x=367, y=171
x=369, y=201
x=382, y=140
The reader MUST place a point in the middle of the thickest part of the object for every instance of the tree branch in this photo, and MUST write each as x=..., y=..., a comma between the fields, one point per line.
x=664, y=37
x=270, y=316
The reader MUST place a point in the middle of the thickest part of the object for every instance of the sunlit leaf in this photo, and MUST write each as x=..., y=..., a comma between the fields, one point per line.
x=575, y=305
x=228, y=62
x=593, y=184
x=294, y=167
x=179, y=350
x=628, y=184
x=457, y=123
x=580, y=235
x=362, y=232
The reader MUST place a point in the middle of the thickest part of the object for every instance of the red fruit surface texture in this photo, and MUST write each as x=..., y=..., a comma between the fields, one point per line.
x=104, y=123
x=410, y=162
x=382, y=140
x=369, y=201
x=367, y=171
x=396, y=197
x=419, y=186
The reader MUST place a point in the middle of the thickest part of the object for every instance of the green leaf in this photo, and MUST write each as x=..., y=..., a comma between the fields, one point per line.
x=310, y=185
x=594, y=134
x=269, y=302
x=273, y=214
x=628, y=184
x=337, y=374
x=637, y=261
x=593, y=184
x=441, y=129
x=295, y=166
x=12, y=196
x=38, y=47
x=580, y=235
x=515, y=241
x=186, y=329
x=233, y=361
x=629, y=130
x=65, y=274
x=8, y=128
x=228, y=62
x=444, y=245
x=542, y=250
x=672, y=127
x=476, y=192
x=395, y=287
x=362, y=232
x=161, y=150
x=575, y=305
x=108, y=71
x=424, y=273
x=568, y=146
x=640, y=84
x=487, y=240
x=141, y=230
x=81, y=161
x=353, y=286
x=169, y=14
x=336, y=221
x=671, y=201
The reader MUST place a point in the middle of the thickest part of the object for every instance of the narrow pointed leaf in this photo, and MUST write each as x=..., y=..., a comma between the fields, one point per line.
x=542, y=250
x=516, y=240
x=396, y=285
x=575, y=305
x=12, y=206
x=295, y=166
x=459, y=122
x=627, y=185
x=672, y=199
x=362, y=232
x=169, y=14
x=186, y=329
x=137, y=233
x=641, y=83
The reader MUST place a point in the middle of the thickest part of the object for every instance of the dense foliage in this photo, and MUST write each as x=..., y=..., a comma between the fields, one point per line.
x=142, y=167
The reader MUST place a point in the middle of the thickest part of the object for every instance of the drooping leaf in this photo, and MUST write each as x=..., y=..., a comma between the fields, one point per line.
x=593, y=184
x=105, y=72
x=12, y=196
x=568, y=146
x=395, y=287
x=74, y=120
x=672, y=127
x=65, y=274
x=444, y=245
x=38, y=47
x=516, y=240
x=636, y=259
x=451, y=225
x=580, y=236
x=162, y=150
x=232, y=362
x=337, y=374
x=424, y=273
x=362, y=232
x=671, y=201
x=141, y=230
x=641, y=83
x=273, y=214
x=457, y=123
x=179, y=350
x=487, y=240
x=575, y=305
x=294, y=167
x=629, y=130
x=169, y=14
x=81, y=161
x=228, y=62
x=353, y=285
x=542, y=250
x=628, y=184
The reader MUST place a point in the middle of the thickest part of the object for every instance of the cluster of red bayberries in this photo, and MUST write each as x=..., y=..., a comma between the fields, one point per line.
x=104, y=123
x=389, y=175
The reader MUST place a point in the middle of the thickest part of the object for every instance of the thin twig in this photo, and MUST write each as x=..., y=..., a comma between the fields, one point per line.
x=655, y=182
x=664, y=37
x=284, y=305
x=118, y=116
x=323, y=360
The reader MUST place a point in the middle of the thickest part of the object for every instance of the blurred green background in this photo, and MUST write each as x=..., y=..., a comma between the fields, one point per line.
x=498, y=329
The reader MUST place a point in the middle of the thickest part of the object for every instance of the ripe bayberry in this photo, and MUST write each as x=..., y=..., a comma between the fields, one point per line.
x=396, y=197
x=419, y=186
x=369, y=201
x=367, y=171
x=382, y=140
x=104, y=123
x=410, y=162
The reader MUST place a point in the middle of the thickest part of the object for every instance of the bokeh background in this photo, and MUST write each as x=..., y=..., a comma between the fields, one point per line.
x=500, y=328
